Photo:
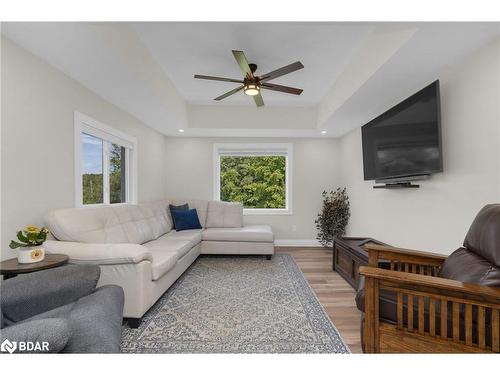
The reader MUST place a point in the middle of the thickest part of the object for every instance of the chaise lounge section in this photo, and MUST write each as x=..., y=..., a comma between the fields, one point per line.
x=137, y=248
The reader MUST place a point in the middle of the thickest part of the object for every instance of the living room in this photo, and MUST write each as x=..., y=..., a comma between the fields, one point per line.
x=250, y=187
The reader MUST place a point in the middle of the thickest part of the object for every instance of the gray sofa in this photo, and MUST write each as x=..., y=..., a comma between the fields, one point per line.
x=63, y=308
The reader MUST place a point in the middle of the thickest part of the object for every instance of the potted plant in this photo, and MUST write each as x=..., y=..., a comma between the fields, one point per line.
x=334, y=216
x=29, y=248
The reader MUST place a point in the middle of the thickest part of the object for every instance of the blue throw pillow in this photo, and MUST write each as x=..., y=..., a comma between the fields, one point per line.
x=186, y=219
x=182, y=207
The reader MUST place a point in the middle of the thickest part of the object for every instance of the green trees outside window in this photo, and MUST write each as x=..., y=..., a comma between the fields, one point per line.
x=92, y=178
x=117, y=174
x=94, y=163
x=256, y=181
x=92, y=188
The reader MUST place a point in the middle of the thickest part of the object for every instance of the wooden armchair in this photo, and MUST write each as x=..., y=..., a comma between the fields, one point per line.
x=433, y=314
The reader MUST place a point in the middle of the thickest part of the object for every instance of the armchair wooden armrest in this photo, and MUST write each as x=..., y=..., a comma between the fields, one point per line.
x=406, y=260
x=433, y=285
x=433, y=314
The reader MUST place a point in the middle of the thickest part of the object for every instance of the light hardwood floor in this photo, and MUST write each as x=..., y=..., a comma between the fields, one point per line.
x=334, y=293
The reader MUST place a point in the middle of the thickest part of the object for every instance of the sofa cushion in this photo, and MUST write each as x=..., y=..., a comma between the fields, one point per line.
x=135, y=224
x=170, y=245
x=191, y=235
x=166, y=250
x=483, y=237
x=171, y=207
x=88, y=224
x=160, y=219
x=109, y=224
x=249, y=233
x=186, y=220
x=224, y=215
x=200, y=205
x=387, y=302
x=465, y=266
x=163, y=261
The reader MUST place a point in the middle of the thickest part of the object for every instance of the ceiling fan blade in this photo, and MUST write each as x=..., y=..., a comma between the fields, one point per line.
x=243, y=63
x=258, y=100
x=213, y=78
x=229, y=93
x=280, y=88
x=281, y=71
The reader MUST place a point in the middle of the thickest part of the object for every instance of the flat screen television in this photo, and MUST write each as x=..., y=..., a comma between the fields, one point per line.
x=405, y=141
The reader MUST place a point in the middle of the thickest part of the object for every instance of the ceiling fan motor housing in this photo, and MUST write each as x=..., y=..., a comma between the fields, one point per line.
x=251, y=81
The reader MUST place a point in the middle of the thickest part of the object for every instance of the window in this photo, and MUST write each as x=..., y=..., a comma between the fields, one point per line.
x=258, y=175
x=92, y=175
x=105, y=164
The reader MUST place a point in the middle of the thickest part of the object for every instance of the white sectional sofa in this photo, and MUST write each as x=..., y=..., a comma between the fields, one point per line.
x=136, y=247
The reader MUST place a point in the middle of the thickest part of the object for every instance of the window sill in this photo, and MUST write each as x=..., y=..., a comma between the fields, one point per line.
x=93, y=205
x=266, y=211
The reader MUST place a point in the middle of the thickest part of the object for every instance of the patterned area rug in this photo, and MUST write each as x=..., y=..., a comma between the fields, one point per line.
x=237, y=304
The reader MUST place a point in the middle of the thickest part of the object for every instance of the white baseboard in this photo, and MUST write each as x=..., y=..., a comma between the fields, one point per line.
x=297, y=243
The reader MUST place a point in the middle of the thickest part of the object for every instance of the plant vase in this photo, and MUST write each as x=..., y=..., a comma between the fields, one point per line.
x=30, y=254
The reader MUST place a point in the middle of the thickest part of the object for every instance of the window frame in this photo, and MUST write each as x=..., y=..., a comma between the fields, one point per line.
x=256, y=149
x=88, y=125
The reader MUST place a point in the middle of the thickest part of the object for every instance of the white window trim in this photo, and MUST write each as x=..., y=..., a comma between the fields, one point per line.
x=253, y=149
x=88, y=125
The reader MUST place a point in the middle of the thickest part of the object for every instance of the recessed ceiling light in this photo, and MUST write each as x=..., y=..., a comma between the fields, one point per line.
x=323, y=132
x=181, y=130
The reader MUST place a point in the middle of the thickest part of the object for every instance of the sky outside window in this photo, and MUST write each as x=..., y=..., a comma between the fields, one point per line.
x=92, y=154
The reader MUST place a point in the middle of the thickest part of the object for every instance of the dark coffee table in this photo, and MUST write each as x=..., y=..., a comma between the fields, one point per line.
x=11, y=267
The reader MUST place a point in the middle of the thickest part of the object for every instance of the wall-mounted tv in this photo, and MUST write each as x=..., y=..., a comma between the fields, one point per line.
x=405, y=141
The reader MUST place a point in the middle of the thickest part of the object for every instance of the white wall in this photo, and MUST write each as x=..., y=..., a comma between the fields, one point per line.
x=38, y=102
x=315, y=168
x=37, y=153
x=250, y=117
x=436, y=216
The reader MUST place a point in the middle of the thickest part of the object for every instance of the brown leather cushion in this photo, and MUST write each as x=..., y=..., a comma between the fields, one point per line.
x=483, y=237
x=467, y=267
x=388, y=304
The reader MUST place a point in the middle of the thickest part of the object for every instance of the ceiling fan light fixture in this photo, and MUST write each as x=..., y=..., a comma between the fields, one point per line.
x=251, y=89
x=252, y=84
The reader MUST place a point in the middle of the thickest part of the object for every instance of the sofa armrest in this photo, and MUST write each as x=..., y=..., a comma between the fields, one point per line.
x=52, y=335
x=100, y=254
x=28, y=295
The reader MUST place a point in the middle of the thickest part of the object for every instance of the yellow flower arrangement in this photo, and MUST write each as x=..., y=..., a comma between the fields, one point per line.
x=30, y=236
x=32, y=229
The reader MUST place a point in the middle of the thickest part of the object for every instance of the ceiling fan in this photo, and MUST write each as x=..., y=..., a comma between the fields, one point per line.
x=252, y=84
